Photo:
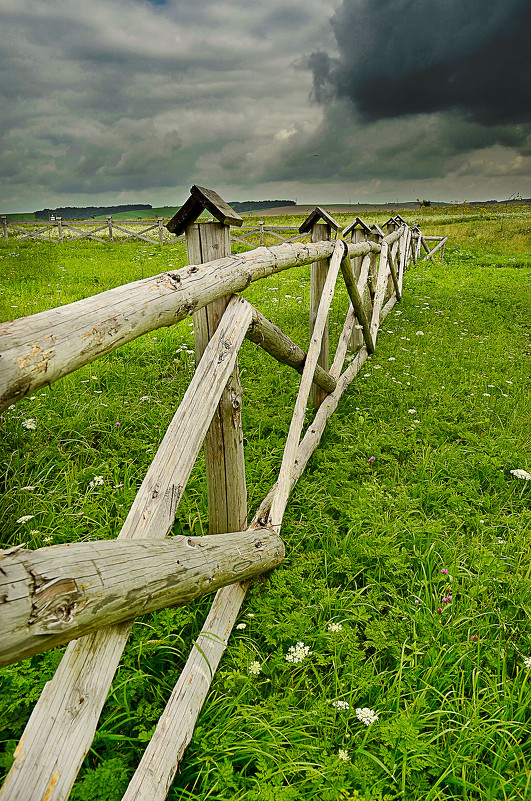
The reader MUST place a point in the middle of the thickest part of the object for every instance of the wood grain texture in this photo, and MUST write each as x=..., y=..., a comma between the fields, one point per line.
x=63, y=722
x=53, y=595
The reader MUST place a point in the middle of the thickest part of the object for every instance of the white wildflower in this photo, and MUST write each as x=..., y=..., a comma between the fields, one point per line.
x=366, y=715
x=29, y=488
x=255, y=668
x=97, y=481
x=343, y=755
x=412, y=411
x=298, y=652
x=47, y=539
x=241, y=626
x=420, y=333
x=527, y=662
x=340, y=705
x=30, y=424
x=334, y=627
x=521, y=474
x=250, y=614
x=25, y=518
x=391, y=359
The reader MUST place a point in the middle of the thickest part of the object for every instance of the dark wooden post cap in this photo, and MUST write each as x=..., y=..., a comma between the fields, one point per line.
x=375, y=229
x=200, y=199
x=318, y=214
x=357, y=223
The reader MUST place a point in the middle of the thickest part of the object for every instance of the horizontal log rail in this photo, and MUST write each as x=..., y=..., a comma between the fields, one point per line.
x=40, y=349
x=56, y=594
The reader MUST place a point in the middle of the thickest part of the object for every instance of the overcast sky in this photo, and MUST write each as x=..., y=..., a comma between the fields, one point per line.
x=323, y=101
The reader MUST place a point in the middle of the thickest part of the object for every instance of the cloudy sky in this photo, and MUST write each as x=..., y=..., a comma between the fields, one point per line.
x=325, y=101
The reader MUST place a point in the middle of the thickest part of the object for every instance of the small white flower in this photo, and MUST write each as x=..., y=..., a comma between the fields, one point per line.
x=500, y=540
x=391, y=359
x=241, y=626
x=30, y=424
x=145, y=398
x=97, y=481
x=250, y=614
x=34, y=531
x=412, y=411
x=527, y=662
x=366, y=715
x=28, y=488
x=25, y=518
x=255, y=668
x=47, y=539
x=334, y=627
x=343, y=755
x=420, y=333
x=521, y=474
x=486, y=394
x=298, y=652
x=340, y=705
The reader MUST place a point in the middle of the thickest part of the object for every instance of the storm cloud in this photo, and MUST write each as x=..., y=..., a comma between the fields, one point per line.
x=402, y=57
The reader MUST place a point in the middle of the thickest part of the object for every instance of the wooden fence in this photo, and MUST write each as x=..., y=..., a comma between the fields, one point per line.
x=115, y=231
x=79, y=592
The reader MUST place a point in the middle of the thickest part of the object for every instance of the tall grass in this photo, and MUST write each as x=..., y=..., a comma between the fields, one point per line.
x=407, y=573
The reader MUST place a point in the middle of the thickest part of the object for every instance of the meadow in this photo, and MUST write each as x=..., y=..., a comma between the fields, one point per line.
x=403, y=603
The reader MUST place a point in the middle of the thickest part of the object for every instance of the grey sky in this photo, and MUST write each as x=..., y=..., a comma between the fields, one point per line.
x=323, y=100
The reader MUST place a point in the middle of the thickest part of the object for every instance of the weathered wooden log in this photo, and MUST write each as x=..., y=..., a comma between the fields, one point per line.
x=46, y=346
x=394, y=276
x=318, y=273
x=441, y=244
x=355, y=299
x=63, y=722
x=275, y=342
x=283, y=487
x=53, y=595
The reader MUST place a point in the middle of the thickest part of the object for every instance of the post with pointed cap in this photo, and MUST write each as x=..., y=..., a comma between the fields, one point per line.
x=358, y=231
x=224, y=456
x=320, y=225
x=4, y=227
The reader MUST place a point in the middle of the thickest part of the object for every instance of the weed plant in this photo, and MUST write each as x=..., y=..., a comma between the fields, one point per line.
x=389, y=657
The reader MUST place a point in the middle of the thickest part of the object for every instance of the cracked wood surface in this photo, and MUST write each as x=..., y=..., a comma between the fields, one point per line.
x=53, y=595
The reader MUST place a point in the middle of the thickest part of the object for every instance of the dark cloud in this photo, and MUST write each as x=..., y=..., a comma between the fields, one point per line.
x=402, y=57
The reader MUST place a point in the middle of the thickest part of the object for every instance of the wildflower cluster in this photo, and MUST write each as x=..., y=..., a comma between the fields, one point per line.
x=366, y=715
x=30, y=424
x=298, y=653
x=343, y=705
x=255, y=668
x=334, y=627
x=97, y=481
x=523, y=474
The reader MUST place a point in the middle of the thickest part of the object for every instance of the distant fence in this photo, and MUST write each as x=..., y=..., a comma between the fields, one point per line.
x=115, y=231
x=58, y=594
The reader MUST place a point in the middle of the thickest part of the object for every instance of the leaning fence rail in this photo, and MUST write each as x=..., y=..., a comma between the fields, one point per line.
x=58, y=594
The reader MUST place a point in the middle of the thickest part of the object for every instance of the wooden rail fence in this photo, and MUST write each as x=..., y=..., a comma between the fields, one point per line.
x=88, y=593
x=59, y=231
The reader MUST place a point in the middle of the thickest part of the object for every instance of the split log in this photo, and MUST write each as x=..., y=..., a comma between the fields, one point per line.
x=275, y=342
x=53, y=595
x=292, y=441
x=355, y=299
x=318, y=273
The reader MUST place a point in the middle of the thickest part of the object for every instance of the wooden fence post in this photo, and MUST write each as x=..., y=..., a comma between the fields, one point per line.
x=4, y=227
x=224, y=456
x=261, y=224
x=160, y=221
x=320, y=225
x=109, y=225
x=59, y=228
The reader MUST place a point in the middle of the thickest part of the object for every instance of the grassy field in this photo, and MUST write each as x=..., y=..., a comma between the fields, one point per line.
x=408, y=572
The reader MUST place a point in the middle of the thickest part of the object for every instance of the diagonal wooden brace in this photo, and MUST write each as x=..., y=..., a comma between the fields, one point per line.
x=355, y=299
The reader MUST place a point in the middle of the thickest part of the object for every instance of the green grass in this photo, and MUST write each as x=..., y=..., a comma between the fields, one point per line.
x=443, y=406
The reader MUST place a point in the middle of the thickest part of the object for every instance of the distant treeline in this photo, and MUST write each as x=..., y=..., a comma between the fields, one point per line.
x=256, y=205
x=85, y=212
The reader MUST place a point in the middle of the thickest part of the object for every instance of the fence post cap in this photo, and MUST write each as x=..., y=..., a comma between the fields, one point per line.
x=375, y=229
x=357, y=223
x=199, y=200
x=318, y=214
